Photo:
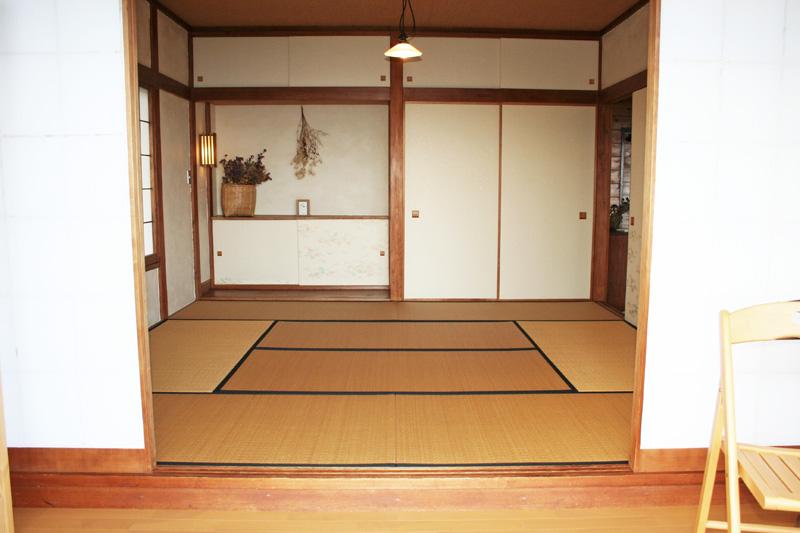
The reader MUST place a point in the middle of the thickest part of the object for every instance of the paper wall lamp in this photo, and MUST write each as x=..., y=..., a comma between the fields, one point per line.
x=208, y=149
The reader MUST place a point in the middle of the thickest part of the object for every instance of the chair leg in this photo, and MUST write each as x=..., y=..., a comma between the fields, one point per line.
x=710, y=474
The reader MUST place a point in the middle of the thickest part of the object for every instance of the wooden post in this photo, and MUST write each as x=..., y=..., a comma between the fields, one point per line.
x=396, y=179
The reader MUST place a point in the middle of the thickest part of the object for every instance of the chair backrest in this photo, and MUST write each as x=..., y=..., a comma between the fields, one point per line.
x=776, y=321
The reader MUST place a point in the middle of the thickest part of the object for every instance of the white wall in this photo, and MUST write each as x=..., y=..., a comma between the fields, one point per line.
x=68, y=352
x=173, y=49
x=633, y=270
x=176, y=201
x=452, y=175
x=153, y=296
x=548, y=179
x=726, y=215
x=353, y=178
x=625, y=48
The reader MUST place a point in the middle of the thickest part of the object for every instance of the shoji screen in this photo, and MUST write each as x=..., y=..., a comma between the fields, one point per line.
x=548, y=180
x=452, y=167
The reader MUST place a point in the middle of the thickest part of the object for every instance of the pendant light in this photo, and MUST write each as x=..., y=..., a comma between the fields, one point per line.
x=403, y=49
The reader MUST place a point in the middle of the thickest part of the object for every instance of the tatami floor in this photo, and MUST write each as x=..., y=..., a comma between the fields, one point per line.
x=383, y=384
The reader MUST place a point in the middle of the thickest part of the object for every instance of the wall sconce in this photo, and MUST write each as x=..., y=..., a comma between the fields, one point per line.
x=208, y=149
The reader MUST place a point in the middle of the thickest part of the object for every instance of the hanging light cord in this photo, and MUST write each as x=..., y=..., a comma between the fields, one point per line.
x=403, y=20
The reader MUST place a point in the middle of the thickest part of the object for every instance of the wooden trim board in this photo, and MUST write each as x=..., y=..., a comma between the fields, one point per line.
x=672, y=460
x=500, y=96
x=481, y=33
x=145, y=458
x=291, y=95
x=624, y=89
x=83, y=460
x=648, y=194
x=155, y=80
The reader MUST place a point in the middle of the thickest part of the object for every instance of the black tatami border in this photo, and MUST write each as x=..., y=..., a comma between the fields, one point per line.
x=241, y=361
x=385, y=465
x=549, y=361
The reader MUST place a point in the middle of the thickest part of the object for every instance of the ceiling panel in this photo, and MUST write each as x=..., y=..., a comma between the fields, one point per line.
x=573, y=15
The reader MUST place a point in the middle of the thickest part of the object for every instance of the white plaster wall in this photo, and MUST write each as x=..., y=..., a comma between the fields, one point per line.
x=451, y=177
x=255, y=252
x=353, y=178
x=176, y=201
x=726, y=215
x=153, y=299
x=241, y=61
x=68, y=347
x=143, y=32
x=343, y=252
x=548, y=64
x=345, y=61
x=454, y=62
x=173, y=49
x=638, y=129
x=625, y=48
x=548, y=179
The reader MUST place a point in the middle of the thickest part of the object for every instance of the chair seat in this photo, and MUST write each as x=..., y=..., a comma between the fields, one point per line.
x=772, y=475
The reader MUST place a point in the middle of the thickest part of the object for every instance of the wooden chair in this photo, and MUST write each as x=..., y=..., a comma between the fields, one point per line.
x=771, y=474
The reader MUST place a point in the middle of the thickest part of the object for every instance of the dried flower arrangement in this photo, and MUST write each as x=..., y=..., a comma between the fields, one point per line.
x=241, y=171
x=308, y=146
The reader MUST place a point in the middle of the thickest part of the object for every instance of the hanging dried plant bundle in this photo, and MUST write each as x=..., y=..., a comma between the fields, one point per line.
x=309, y=144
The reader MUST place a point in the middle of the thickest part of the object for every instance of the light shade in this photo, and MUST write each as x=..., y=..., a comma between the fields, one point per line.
x=402, y=50
x=208, y=149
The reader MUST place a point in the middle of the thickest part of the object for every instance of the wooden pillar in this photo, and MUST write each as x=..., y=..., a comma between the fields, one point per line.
x=396, y=180
x=6, y=511
x=602, y=200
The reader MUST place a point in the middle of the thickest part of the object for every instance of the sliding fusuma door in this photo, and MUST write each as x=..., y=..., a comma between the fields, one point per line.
x=451, y=199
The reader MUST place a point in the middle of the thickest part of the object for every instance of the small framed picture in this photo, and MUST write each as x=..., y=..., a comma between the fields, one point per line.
x=303, y=208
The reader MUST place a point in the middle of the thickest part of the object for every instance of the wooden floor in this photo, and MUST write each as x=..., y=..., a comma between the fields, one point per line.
x=618, y=520
x=252, y=384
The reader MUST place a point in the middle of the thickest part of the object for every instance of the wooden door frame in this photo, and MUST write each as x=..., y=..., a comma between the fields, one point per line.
x=130, y=53
x=648, y=194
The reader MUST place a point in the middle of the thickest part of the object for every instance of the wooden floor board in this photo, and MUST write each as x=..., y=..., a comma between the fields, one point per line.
x=673, y=519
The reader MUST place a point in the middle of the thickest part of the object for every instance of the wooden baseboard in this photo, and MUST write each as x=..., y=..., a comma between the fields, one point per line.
x=220, y=492
x=672, y=460
x=79, y=460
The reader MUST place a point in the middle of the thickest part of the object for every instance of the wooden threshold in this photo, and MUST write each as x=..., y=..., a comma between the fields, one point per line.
x=365, y=490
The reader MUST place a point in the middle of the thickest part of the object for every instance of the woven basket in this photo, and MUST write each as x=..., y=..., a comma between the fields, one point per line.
x=238, y=200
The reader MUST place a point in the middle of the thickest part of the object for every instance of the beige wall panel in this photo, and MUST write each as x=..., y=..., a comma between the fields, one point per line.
x=143, y=32
x=153, y=300
x=625, y=48
x=203, y=182
x=548, y=178
x=353, y=177
x=455, y=62
x=452, y=158
x=177, y=200
x=173, y=49
x=338, y=61
x=548, y=64
x=343, y=252
x=638, y=129
x=241, y=61
x=255, y=251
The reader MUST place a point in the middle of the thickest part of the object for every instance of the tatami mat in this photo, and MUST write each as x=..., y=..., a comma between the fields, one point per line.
x=396, y=335
x=538, y=428
x=385, y=430
x=287, y=430
x=262, y=310
x=594, y=356
x=340, y=371
x=194, y=356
